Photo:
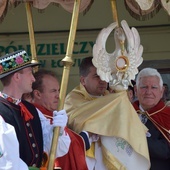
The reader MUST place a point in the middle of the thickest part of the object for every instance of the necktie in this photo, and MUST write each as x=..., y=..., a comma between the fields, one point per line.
x=142, y=116
x=25, y=112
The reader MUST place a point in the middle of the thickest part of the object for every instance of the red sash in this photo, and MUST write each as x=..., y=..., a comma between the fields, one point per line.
x=159, y=116
x=75, y=158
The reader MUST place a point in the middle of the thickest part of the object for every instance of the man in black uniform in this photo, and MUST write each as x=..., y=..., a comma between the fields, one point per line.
x=16, y=76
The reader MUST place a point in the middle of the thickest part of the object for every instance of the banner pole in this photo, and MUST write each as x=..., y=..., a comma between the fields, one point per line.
x=114, y=11
x=67, y=62
x=31, y=33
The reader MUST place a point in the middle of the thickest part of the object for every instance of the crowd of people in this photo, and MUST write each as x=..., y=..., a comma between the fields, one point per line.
x=99, y=129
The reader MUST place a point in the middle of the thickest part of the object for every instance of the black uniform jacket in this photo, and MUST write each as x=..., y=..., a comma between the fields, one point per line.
x=29, y=133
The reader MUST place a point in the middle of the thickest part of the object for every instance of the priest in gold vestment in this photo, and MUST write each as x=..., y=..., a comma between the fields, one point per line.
x=122, y=137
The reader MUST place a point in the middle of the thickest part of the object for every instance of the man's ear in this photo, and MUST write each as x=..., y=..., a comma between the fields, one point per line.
x=37, y=94
x=16, y=76
x=82, y=80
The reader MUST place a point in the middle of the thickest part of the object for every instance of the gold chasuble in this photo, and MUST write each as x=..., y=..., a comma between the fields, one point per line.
x=122, y=135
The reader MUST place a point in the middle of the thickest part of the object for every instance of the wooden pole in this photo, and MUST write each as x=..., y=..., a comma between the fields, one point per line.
x=31, y=33
x=68, y=62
